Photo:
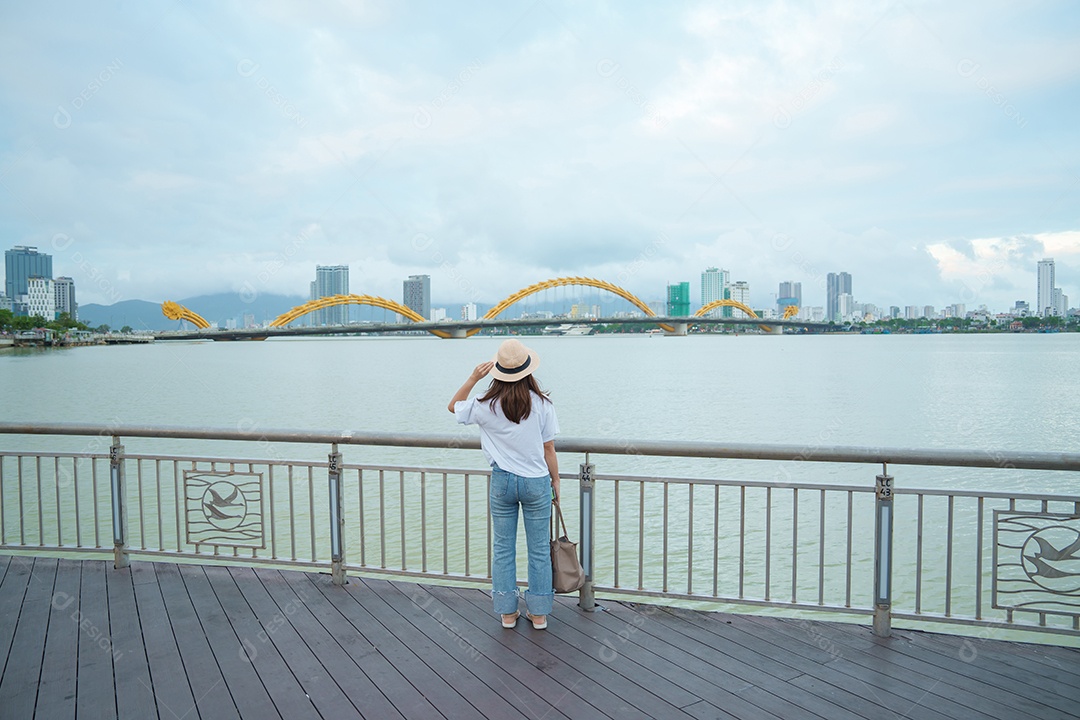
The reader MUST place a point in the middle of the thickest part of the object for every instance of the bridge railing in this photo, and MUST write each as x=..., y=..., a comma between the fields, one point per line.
x=878, y=549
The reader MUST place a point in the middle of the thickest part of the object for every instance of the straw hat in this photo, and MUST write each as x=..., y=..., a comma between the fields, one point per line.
x=514, y=361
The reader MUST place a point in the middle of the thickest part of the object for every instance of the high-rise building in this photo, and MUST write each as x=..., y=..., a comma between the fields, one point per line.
x=715, y=285
x=740, y=292
x=1044, y=288
x=836, y=284
x=468, y=311
x=1060, y=302
x=20, y=264
x=330, y=280
x=845, y=307
x=417, y=294
x=1021, y=308
x=678, y=299
x=790, y=294
x=41, y=298
x=65, y=297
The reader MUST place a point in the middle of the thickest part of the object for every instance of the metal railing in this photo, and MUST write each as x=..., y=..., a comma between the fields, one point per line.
x=948, y=555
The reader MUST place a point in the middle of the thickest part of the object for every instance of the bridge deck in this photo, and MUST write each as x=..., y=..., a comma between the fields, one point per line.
x=79, y=639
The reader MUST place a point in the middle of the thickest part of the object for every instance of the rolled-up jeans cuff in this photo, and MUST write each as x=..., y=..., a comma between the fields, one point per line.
x=539, y=603
x=506, y=603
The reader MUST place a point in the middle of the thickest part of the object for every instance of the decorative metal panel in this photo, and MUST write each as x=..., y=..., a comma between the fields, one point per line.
x=224, y=508
x=1037, y=562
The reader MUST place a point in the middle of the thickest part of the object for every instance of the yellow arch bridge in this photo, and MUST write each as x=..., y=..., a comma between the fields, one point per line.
x=175, y=311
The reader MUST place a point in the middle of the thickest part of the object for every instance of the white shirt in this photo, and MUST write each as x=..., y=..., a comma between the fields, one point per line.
x=515, y=447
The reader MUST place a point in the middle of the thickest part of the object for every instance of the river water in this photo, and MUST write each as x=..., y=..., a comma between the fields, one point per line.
x=980, y=393
x=975, y=392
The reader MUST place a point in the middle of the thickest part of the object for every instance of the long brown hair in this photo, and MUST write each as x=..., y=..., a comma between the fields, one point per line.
x=514, y=397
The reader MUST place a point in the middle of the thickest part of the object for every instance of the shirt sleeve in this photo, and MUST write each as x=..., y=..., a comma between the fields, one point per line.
x=463, y=411
x=549, y=428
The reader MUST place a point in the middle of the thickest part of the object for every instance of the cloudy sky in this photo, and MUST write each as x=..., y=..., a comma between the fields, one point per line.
x=160, y=150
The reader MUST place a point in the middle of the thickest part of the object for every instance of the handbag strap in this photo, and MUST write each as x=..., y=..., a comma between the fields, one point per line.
x=558, y=512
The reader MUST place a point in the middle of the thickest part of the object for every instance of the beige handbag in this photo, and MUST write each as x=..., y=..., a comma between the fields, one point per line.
x=567, y=576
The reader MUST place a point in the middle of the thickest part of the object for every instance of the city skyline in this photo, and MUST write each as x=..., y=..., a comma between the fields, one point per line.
x=22, y=262
x=491, y=148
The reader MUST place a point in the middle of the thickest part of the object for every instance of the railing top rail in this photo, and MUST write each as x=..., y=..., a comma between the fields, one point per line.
x=986, y=458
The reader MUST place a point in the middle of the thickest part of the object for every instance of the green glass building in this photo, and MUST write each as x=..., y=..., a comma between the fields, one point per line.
x=678, y=299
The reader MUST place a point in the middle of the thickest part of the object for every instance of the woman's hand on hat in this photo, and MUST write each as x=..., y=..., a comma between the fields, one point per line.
x=481, y=370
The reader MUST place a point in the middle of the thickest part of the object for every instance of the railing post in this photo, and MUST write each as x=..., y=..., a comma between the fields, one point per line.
x=883, y=534
x=119, y=504
x=587, y=514
x=337, y=517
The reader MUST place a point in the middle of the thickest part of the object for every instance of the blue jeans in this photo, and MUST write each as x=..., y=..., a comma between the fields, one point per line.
x=534, y=496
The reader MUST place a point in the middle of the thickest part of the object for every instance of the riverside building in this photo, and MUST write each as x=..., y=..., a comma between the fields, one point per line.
x=330, y=280
x=21, y=263
x=790, y=293
x=716, y=285
x=64, y=288
x=836, y=285
x=678, y=299
x=416, y=295
x=41, y=298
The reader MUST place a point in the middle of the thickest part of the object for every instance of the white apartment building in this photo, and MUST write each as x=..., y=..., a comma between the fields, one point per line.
x=715, y=285
x=1044, y=289
x=65, y=297
x=41, y=297
x=740, y=292
x=845, y=306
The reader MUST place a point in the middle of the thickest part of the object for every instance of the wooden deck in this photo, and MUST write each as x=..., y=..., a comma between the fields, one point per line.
x=80, y=639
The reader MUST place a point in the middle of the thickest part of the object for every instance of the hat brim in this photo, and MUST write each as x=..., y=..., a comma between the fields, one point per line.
x=524, y=370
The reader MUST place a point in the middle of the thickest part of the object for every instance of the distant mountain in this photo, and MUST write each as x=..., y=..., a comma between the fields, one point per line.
x=217, y=309
x=139, y=314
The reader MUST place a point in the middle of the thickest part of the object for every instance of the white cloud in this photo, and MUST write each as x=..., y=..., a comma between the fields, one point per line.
x=499, y=133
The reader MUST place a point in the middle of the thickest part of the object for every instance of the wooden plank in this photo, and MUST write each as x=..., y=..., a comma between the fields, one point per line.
x=1005, y=658
x=570, y=687
x=168, y=679
x=278, y=680
x=351, y=601
x=365, y=695
x=134, y=692
x=905, y=693
x=960, y=681
x=233, y=658
x=1022, y=681
x=204, y=677
x=315, y=680
x=636, y=684
x=12, y=590
x=405, y=698
x=822, y=668
x=5, y=560
x=444, y=626
x=682, y=659
x=880, y=667
x=18, y=686
x=703, y=710
x=59, y=666
x=96, y=694
x=557, y=681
